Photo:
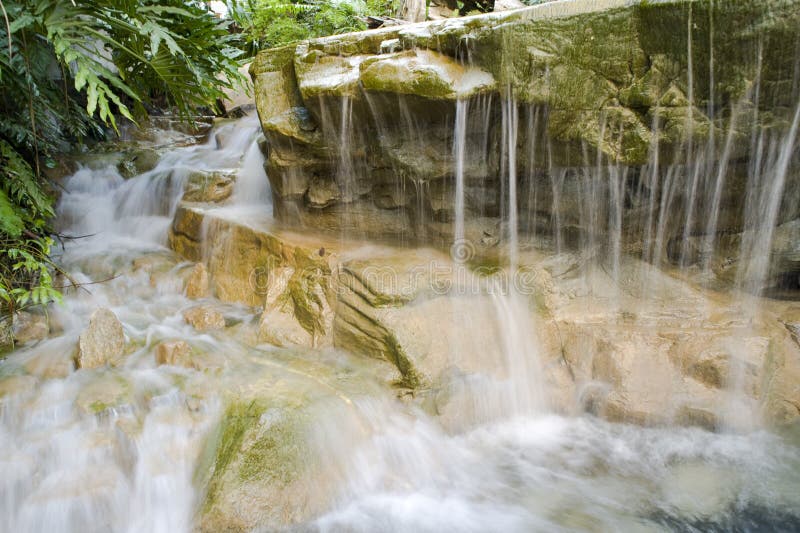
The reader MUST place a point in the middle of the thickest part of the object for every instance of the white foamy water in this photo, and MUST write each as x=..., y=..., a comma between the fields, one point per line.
x=118, y=449
x=550, y=473
x=115, y=449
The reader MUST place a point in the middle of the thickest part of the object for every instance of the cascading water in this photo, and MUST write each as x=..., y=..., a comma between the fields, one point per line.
x=519, y=391
x=115, y=449
x=252, y=186
x=459, y=147
x=629, y=248
x=119, y=449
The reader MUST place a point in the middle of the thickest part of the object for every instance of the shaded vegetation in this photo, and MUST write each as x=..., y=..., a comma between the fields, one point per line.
x=68, y=72
x=270, y=23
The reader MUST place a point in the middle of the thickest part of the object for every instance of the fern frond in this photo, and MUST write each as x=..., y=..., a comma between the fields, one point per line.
x=10, y=221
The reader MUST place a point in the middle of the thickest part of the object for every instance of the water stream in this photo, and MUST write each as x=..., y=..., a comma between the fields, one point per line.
x=117, y=449
x=128, y=447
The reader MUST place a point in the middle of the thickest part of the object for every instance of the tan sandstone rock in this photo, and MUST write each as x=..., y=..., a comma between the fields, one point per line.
x=649, y=348
x=29, y=327
x=197, y=283
x=102, y=342
x=174, y=353
x=204, y=318
x=15, y=385
x=208, y=187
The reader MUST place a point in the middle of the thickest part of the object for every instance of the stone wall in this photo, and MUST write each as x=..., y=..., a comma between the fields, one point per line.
x=360, y=127
x=671, y=353
x=587, y=104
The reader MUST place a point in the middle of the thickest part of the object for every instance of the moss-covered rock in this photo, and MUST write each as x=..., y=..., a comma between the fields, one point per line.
x=424, y=73
x=110, y=390
x=608, y=81
x=208, y=187
x=258, y=470
x=322, y=75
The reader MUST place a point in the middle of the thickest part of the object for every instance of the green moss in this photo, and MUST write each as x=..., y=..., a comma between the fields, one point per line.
x=638, y=95
x=486, y=265
x=98, y=406
x=623, y=66
x=303, y=294
x=428, y=85
x=737, y=29
x=237, y=420
x=400, y=77
x=371, y=286
x=410, y=379
x=275, y=454
x=273, y=60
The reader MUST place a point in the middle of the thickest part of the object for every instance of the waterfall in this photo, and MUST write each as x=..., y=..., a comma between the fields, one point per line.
x=604, y=348
x=765, y=200
x=115, y=449
x=520, y=391
x=511, y=122
x=719, y=182
x=690, y=163
x=252, y=185
x=459, y=148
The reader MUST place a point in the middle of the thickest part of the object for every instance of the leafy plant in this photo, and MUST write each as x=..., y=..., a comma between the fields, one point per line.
x=68, y=71
x=269, y=23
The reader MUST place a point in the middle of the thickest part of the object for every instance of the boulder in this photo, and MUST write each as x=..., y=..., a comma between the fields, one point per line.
x=6, y=334
x=15, y=385
x=261, y=468
x=108, y=391
x=22, y=328
x=138, y=161
x=174, y=353
x=197, y=282
x=208, y=187
x=424, y=73
x=204, y=318
x=186, y=233
x=241, y=111
x=30, y=327
x=102, y=342
x=256, y=463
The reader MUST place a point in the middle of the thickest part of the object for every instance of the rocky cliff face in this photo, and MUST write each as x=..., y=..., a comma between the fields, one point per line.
x=609, y=117
x=620, y=158
x=655, y=350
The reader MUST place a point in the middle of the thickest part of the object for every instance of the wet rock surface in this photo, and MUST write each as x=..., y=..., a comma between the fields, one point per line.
x=359, y=127
x=654, y=350
x=204, y=318
x=102, y=342
x=175, y=353
x=31, y=328
x=197, y=284
x=326, y=383
x=208, y=187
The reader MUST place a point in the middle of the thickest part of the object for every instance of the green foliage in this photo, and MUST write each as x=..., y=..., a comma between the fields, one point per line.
x=269, y=23
x=25, y=276
x=68, y=71
x=120, y=52
x=25, y=265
